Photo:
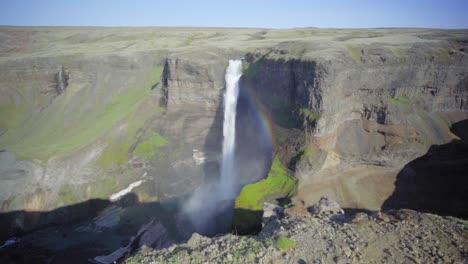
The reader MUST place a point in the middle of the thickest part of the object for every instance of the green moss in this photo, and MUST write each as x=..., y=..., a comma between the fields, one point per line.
x=277, y=184
x=147, y=148
x=399, y=100
x=309, y=115
x=354, y=53
x=248, y=209
x=284, y=243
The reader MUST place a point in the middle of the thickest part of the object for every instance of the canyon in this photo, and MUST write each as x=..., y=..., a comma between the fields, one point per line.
x=372, y=118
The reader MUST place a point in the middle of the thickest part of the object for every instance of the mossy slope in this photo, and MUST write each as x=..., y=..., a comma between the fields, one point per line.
x=76, y=118
x=249, y=204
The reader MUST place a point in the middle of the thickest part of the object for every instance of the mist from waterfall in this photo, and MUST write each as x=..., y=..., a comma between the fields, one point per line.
x=210, y=207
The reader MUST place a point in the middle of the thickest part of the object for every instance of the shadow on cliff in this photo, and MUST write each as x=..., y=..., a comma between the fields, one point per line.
x=438, y=181
x=71, y=234
x=17, y=223
x=247, y=222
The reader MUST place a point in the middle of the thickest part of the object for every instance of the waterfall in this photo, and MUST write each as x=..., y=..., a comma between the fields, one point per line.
x=60, y=80
x=210, y=206
x=228, y=181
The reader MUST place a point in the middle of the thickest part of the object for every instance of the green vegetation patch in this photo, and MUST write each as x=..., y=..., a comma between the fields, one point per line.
x=277, y=184
x=115, y=153
x=121, y=144
x=354, y=53
x=399, y=100
x=147, y=148
x=53, y=135
x=284, y=243
x=309, y=115
x=248, y=208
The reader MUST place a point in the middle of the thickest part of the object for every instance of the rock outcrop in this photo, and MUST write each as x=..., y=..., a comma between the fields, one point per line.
x=326, y=206
x=401, y=236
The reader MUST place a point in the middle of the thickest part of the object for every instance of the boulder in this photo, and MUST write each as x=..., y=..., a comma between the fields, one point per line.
x=326, y=206
x=360, y=218
x=271, y=212
x=196, y=240
x=297, y=210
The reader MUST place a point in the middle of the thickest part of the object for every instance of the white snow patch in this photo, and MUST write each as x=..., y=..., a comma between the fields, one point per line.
x=116, y=196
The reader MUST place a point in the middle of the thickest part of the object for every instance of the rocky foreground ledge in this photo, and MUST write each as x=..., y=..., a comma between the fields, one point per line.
x=324, y=234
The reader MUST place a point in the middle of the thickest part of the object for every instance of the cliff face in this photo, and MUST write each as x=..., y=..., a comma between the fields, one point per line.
x=348, y=109
x=362, y=119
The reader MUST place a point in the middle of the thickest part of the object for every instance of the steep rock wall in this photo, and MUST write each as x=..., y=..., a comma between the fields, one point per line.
x=360, y=121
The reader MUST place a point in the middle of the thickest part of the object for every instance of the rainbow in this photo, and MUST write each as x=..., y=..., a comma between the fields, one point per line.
x=262, y=115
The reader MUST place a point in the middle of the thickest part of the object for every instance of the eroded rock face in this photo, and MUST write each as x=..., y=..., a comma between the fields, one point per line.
x=361, y=121
x=191, y=82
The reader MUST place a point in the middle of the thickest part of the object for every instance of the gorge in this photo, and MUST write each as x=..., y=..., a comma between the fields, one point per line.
x=371, y=118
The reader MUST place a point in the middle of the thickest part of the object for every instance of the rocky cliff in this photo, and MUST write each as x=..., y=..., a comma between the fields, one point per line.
x=345, y=110
x=362, y=117
x=396, y=236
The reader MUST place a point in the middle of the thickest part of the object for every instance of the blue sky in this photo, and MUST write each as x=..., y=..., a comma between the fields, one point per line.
x=239, y=13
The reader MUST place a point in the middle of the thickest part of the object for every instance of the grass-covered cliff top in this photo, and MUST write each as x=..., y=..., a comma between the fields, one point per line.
x=203, y=43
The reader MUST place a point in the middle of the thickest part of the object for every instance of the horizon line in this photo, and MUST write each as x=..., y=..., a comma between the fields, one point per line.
x=273, y=28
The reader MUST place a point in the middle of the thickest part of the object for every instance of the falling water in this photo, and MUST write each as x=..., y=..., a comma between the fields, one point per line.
x=227, y=181
x=61, y=81
x=209, y=207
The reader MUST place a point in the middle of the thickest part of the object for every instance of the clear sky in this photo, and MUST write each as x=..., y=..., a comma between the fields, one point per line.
x=239, y=13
